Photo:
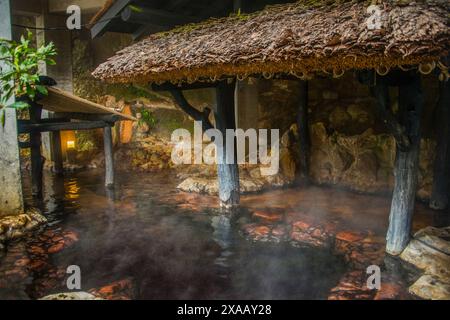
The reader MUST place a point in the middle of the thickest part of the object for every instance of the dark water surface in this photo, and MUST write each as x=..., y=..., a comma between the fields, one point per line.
x=135, y=232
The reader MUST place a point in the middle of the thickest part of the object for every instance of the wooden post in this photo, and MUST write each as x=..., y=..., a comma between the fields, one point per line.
x=441, y=177
x=228, y=173
x=109, y=157
x=37, y=160
x=406, y=167
x=303, y=130
x=58, y=167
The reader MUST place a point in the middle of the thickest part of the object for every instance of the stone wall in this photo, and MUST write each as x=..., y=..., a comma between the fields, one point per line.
x=350, y=147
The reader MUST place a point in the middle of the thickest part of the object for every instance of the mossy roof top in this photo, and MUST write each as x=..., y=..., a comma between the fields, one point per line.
x=299, y=38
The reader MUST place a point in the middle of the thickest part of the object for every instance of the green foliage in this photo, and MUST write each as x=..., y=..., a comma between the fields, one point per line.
x=21, y=77
x=86, y=140
x=147, y=117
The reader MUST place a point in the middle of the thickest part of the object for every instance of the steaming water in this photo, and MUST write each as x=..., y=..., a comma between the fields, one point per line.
x=133, y=232
x=180, y=246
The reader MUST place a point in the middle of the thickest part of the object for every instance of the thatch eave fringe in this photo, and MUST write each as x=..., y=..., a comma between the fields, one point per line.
x=291, y=39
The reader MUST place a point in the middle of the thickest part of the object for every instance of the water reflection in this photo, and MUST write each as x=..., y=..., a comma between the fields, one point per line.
x=173, y=245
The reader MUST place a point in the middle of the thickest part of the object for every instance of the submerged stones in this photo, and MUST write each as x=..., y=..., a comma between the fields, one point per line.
x=14, y=227
x=429, y=251
x=305, y=234
x=124, y=289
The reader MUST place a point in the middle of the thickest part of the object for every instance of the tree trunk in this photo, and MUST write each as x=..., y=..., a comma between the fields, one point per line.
x=228, y=173
x=406, y=168
x=37, y=160
x=58, y=167
x=109, y=157
x=441, y=177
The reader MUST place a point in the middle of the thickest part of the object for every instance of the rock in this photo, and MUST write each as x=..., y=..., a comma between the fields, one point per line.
x=199, y=185
x=349, y=236
x=13, y=227
x=255, y=173
x=435, y=237
x=81, y=295
x=305, y=234
x=56, y=247
x=390, y=291
x=431, y=288
x=257, y=232
x=287, y=164
x=250, y=185
x=353, y=285
x=428, y=259
x=268, y=216
x=339, y=119
x=118, y=290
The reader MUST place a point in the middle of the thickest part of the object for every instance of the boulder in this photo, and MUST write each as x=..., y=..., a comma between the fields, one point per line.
x=80, y=295
x=431, y=288
x=13, y=227
x=430, y=252
x=200, y=185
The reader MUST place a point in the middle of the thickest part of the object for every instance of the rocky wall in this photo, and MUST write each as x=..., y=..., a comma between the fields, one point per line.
x=350, y=146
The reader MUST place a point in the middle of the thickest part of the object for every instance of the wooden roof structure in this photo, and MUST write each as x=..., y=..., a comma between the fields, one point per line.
x=300, y=39
x=61, y=101
x=157, y=15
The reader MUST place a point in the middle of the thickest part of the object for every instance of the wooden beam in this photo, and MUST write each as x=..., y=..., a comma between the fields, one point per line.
x=99, y=28
x=155, y=17
x=411, y=102
x=176, y=4
x=109, y=156
x=227, y=173
x=60, y=6
x=441, y=177
x=87, y=117
x=61, y=101
x=49, y=127
x=303, y=130
x=202, y=116
x=147, y=29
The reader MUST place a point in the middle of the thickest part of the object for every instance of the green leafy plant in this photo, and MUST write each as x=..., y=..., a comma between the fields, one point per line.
x=19, y=75
x=147, y=117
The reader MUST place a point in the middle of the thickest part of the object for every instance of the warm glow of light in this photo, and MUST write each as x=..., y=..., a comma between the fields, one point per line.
x=70, y=144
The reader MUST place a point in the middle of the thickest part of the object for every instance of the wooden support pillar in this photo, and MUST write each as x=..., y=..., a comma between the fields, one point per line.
x=37, y=160
x=109, y=156
x=303, y=130
x=58, y=167
x=441, y=177
x=228, y=173
x=406, y=167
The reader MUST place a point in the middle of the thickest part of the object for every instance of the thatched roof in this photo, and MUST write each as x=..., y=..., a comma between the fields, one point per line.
x=292, y=38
